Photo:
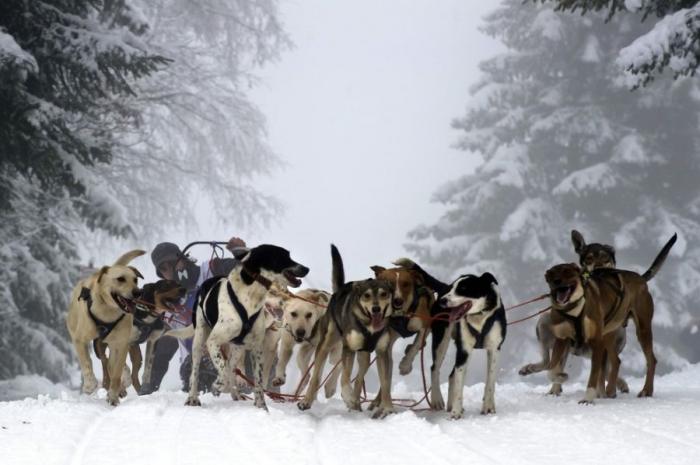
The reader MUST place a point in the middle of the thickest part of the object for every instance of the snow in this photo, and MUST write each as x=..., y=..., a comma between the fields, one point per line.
x=529, y=428
x=598, y=177
x=672, y=35
x=11, y=51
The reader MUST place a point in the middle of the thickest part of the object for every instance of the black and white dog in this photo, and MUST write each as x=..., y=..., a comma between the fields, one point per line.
x=477, y=320
x=228, y=310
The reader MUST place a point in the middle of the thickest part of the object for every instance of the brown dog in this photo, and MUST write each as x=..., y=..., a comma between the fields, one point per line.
x=98, y=309
x=588, y=309
x=591, y=256
x=158, y=297
x=411, y=303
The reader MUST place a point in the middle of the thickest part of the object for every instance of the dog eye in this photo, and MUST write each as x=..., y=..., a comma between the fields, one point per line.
x=308, y=316
x=294, y=314
x=121, y=279
x=367, y=296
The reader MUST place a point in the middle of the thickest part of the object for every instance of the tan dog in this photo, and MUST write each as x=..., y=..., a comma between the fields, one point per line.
x=411, y=303
x=590, y=308
x=160, y=297
x=97, y=309
x=301, y=322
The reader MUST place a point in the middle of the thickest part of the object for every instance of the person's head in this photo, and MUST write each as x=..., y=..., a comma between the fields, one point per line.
x=167, y=258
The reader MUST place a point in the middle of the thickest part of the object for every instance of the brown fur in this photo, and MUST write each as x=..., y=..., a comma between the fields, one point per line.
x=118, y=279
x=406, y=284
x=603, y=312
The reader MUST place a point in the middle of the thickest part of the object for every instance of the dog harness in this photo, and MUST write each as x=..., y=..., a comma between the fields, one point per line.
x=248, y=322
x=399, y=323
x=103, y=327
x=499, y=316
x=371, y=339
x=575, y=320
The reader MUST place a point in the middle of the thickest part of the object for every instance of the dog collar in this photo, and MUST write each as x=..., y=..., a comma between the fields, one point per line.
x=262, y=280
x=104, y=328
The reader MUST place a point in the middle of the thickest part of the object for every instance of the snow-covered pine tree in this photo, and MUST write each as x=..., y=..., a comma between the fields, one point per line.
x=673, y=42
x=65, y=68
x=566, y=145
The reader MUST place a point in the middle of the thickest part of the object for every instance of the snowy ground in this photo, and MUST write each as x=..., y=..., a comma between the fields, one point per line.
x=530, y=428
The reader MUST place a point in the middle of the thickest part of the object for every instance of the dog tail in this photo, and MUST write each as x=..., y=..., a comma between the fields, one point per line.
x=127, y=257
x=659, y=260
x=181, y=333
x=338, y=276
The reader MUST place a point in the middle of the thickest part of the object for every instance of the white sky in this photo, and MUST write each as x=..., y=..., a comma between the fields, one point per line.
x=360, y=112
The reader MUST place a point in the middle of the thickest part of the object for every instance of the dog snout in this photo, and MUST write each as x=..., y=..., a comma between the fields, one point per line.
x=301, y=332
x=398, y=302
x=300, y=271
x=376, y=309
x=443, y=302
x=136, y=293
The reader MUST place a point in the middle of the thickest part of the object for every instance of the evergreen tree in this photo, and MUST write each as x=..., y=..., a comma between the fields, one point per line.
x=674, y=41
x=566, y=145
x=65, y=67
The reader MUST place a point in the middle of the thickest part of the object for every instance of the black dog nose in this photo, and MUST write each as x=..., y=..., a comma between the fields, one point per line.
x=301, y=332
x=398, y=302
x=376, y=309
x=136, y=293
x=443, y=302
x=301, y=271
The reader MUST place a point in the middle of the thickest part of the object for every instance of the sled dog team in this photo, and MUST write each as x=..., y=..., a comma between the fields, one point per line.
x=251, y=310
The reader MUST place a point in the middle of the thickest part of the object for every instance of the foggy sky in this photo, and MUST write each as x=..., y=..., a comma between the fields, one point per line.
x=360, y=112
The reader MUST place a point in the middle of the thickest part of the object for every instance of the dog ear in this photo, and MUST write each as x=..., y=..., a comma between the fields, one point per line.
x=240, y=253
x=417, y=277
x=377, y=269
x=578, y=241
x=610, y=250
x=137, y=272
x=322, y=298
x=489, y=277
x=103, y=270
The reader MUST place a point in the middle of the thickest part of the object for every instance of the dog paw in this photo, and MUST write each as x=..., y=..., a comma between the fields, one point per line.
x=611, y=392
x=405, y=366
x=559, y=378
x=645, y=393
x=260, y=403
x=304, y=405
x=437, y=402
x=122, y=393
x=113, y=399
x=528, y=369
x=555, y=390
x=622, y=386
x=193, y=402
x=90, y=386
x=354, y=405
x=382, y=412
x=217, y=387
x=236, y=396
x=279, y=380
x=457, y=414
x=374, y=404
x=488, y=408
x=586, y=402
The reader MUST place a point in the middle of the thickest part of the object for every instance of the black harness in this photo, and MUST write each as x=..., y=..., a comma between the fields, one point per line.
x=248, y=322
x=103, y=327
x=577, y=321
x=399, y=323
x=371, y=339
x=145, y=329
x=488, y=324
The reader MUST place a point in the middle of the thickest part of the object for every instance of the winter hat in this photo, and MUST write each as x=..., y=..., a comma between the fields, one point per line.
x=165, y=251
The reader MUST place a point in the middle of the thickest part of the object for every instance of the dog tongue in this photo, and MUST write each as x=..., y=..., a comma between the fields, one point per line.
x=563, y=295
x=377, y=321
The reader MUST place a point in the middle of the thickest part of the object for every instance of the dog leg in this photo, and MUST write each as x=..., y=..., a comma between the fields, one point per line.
x=455, y=392
x=346, y=392
x=117, y=361
x=148, y=365
x=406, y=363
x=332, y=383
x=270, y=341
x=303, y=360
x=384, y=371
x=220, y=335
x=441, y=342
x=100, y=349
x=597, y=355
x=384, y=365
x=362, y=367
x=235, y=360
x=136, y=362
x=489, y=405
x=322, y=352
x=644, y=310
x=614, y=369
x=557, y=375
x=201, y=334
x=89, y=381
x=285, y=353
